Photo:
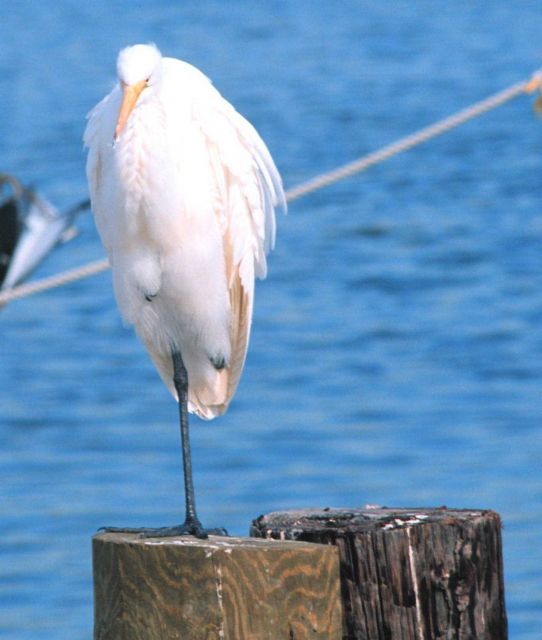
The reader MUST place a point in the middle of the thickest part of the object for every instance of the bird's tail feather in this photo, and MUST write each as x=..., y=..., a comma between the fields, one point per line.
x=210, y=393
x=214, y=397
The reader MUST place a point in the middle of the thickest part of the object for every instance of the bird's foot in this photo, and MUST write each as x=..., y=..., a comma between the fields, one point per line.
x=191, y=527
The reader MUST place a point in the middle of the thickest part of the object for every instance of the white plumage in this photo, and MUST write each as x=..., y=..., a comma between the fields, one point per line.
x=183, y=190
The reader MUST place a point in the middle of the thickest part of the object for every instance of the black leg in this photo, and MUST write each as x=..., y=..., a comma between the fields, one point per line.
x=191, y=525
x=180, y=379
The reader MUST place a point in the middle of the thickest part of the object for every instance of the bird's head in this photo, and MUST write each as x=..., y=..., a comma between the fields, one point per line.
x=138, y=67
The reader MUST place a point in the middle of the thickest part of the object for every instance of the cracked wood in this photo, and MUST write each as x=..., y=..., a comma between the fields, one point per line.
x=409, y=574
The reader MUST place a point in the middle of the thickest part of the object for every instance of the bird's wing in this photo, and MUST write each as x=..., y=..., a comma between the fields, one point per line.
x=248, y=185
x=248, y=188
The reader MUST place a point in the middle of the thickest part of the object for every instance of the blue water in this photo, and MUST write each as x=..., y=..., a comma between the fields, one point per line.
x=396, y=355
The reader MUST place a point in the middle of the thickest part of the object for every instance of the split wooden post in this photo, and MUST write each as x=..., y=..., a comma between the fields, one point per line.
x=409, y=574
x=216, y=589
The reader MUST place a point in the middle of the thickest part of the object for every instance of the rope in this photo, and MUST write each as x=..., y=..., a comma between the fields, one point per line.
x=403, y=144
x=37, y=286
x=319, y=182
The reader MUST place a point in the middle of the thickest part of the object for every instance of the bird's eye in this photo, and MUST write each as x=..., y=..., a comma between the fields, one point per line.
x=147, y=80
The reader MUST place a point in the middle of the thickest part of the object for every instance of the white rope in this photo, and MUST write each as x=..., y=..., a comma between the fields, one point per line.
x=403, y=144
x=323, y=180
x=37, y=286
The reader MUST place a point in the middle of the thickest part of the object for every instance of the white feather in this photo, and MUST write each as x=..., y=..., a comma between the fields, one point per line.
x=184, y=202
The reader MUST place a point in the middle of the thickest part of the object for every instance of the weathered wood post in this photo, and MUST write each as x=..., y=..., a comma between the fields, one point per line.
x=216, y=589
x=409, y=574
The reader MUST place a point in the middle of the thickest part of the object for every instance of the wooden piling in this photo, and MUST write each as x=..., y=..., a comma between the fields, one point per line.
x=221, y=588
x=409, y=574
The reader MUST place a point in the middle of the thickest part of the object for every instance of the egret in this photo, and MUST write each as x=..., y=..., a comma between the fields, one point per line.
x=184, y=193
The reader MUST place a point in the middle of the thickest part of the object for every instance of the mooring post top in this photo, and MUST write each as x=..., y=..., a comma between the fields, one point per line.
x=362, y=519
x=226, y=544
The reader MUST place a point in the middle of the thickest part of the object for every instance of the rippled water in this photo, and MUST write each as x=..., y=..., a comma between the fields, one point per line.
x=396, y=355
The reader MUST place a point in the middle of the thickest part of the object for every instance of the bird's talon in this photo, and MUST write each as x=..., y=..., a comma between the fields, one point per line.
x=187, y=529
x=218, y=361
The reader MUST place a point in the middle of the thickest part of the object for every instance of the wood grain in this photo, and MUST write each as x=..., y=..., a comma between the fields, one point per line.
x=409, y=574
x=221, y=588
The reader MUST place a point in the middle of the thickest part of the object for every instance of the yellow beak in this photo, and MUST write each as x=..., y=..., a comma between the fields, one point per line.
x=131, y=94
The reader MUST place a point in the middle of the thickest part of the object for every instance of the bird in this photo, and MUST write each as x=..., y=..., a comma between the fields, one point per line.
x=184, y=193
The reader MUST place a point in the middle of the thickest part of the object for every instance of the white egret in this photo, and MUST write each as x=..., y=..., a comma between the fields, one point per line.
x=184, y=193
